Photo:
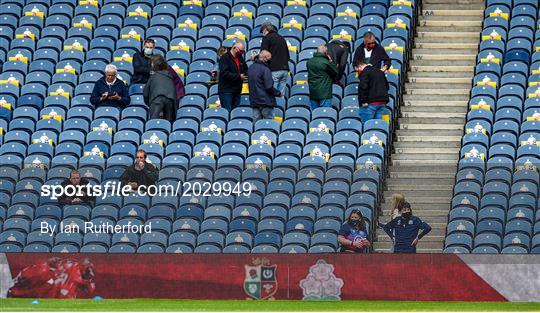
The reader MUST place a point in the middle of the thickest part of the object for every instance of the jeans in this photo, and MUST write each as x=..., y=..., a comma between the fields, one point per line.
x=262, y=112
x=163, y=105
x=280, y=80
x=327, y=103
x=374, y=111
x=229, y=101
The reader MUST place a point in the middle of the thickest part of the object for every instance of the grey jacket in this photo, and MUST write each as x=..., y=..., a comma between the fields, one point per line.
x=159, y=84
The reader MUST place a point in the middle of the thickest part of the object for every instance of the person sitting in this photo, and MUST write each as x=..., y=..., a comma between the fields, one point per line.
x=80, y=196
x=353, y=234
x=141, y=173
x=110, y=91
x=160, y=92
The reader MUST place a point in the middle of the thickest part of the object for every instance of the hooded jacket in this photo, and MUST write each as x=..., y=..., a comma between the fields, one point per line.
x=159, y=84
x=321, y=75
x=118, y=87
x=261, y=85
x=229, y=76
x=277, y=45
x=378, y=55
x=373, y=86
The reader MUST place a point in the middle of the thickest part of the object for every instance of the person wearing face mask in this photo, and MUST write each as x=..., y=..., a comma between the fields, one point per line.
x=110, y=91
x=142, y=63
x=232, y=74
x=353, y=235
x=370, y=52
x=262, y=93
x=404, y=230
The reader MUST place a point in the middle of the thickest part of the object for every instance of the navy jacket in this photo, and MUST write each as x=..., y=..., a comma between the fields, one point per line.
x=403, y=232
x=142, y=66
x=118, y=87
x=372, y=86
x=261, y=85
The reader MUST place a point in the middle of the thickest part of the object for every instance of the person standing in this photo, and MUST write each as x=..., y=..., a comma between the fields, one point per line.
x=372, y=93
x=141, y=173
x=160, y=92
x=338, y=52
x=404, y=230
x=352, y=235
x=110, y=91
x=232, y=73
x=277, y=46
x=370, y=52
x=262, y=93
x=142, y=63
x=321, y=75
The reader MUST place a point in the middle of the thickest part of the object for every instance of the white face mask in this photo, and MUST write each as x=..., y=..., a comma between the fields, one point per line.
x=148, y=51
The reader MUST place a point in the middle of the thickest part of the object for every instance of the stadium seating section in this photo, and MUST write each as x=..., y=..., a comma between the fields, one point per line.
x=319, y=166
x=495, y=208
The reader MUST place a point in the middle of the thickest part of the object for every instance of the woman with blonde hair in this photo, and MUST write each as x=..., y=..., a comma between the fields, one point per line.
x=397, y=204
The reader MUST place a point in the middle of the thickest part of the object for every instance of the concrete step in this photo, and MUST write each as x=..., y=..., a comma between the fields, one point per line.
x=422, y=90
x=448, y=109
x=440, y=68
x=421, y=157
x=421, y=175
x=427, y=168
x=457, y=7
x=435, y=235
x=433, y=116
x=416, y=145
x=440, y=87
x=407, y=97
x=420, y=162
x=442, y=57
x=417, y=74
x=450, y=26
x=454, y=40
x=425, y=181
x=457, y=51
x=441, y=64
x=434, y=104
x=447, y=34
x=417, y=150
x=443, y=206
x=443, y=13
x=451, y=81
x=429, y=127
x=450, y=45
x=435, y=133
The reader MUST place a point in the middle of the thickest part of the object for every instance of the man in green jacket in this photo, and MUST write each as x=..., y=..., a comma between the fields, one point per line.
x=321, y=74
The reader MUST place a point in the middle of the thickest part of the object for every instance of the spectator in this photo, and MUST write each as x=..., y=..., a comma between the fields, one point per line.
x=160, y=91
x=110, y=91
x=321, y=74
x=397, y=205
x=232, y=73
x=262, y=93
x=141, y=173
x=179, y=86
x=277, y=46
x=79, y=197
x=142, y=63
x=372, y=93
x=403, y=230
x=338, y=52
x=369, y=52
x=215, y=70
x=353, y=234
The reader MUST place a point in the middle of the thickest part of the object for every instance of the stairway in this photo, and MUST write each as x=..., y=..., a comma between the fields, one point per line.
x=428, y=138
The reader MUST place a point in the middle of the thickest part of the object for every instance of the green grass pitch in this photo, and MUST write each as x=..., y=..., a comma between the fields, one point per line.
x=52, y=305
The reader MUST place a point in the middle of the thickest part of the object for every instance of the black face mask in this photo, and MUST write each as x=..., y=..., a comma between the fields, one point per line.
x=406, y=215
x=354, y=223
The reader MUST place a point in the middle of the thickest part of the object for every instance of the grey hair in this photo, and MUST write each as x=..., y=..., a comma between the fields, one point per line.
x=268, y=26
x=110, y=67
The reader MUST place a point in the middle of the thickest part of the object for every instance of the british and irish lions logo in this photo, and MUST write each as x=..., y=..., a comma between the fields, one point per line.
x=320, y=283
x=261, y=281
